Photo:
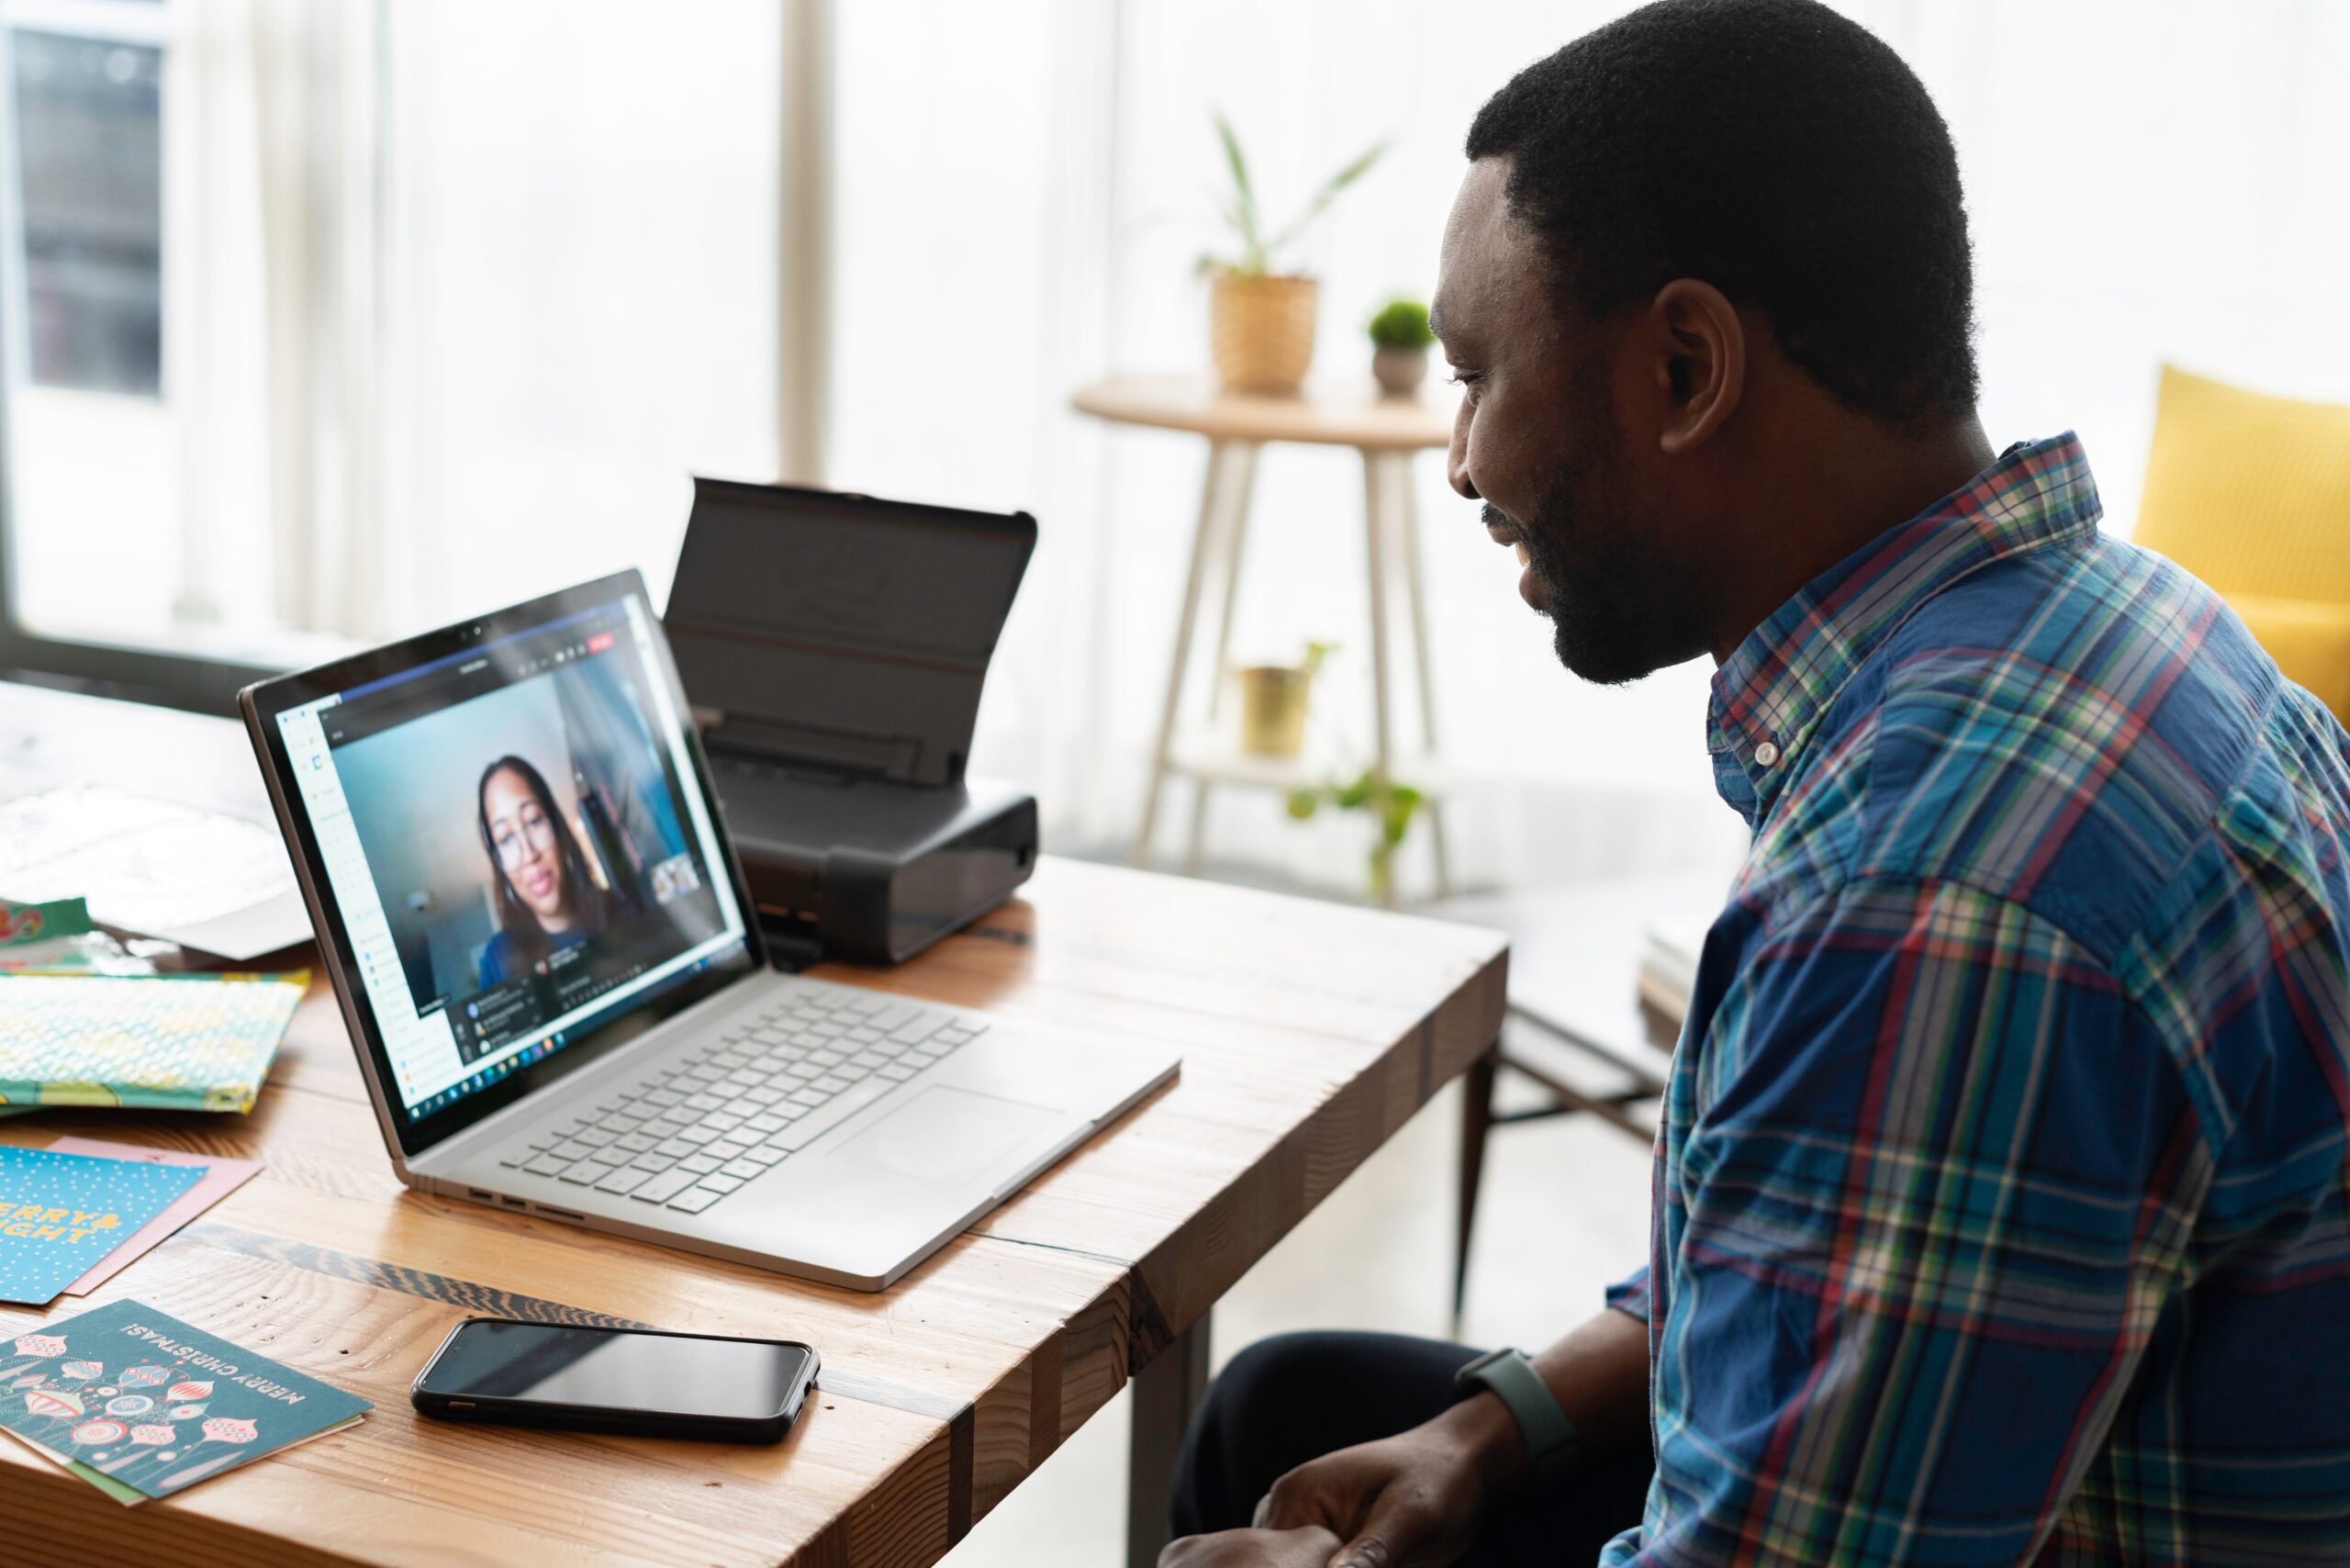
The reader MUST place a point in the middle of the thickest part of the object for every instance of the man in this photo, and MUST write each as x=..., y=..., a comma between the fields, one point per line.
x=1999, y=1201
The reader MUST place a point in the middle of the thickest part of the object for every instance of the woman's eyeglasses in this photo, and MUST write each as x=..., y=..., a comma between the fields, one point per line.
x=510, y=840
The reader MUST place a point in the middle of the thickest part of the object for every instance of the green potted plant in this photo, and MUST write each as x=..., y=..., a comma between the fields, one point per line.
x=1390, y=803
x=1274, y=700
x=1399, y=346
x=1261, y=321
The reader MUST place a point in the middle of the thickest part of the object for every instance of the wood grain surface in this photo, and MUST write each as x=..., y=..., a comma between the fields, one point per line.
x=1326, y=413
x=1310, y=1033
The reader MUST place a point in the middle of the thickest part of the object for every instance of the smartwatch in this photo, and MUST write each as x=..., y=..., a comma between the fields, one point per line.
x=1551, y=1441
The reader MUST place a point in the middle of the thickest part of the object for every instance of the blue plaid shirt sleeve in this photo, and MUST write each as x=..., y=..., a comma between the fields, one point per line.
x=1630, y=1294
x=1939, y=1179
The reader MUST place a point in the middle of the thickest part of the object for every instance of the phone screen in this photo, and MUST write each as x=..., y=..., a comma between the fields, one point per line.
x=614, y=1369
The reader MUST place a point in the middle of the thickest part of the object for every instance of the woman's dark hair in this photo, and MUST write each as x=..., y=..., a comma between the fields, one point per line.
x=1771, y=148
x=589, y=904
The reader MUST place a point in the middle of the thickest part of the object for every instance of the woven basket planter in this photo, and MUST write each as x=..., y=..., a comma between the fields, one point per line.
x=1261, y=330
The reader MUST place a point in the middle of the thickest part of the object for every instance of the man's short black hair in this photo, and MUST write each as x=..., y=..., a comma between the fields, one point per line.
x=1771, y=148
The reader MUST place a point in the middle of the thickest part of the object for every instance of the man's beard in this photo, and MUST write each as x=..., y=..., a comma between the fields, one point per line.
x=1612, y=621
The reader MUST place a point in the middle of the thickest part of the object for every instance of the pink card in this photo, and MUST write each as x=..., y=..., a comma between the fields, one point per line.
x=223, y=1177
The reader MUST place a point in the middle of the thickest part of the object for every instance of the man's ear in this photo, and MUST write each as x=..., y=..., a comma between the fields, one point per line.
x=1700, y=361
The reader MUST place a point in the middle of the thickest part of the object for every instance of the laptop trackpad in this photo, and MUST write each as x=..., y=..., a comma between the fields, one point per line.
x=942, y=1134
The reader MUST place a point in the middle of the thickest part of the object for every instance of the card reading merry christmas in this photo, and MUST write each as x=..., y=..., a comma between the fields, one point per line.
x=60, y=1214
x=140, y=1404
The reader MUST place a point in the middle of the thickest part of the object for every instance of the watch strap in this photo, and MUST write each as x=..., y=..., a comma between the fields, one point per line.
x=1551, y=1441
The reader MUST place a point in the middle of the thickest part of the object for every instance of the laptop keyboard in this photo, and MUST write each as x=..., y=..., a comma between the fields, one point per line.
x=726, y=1113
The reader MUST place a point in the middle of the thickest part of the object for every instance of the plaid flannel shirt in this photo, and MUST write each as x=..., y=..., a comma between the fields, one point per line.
x=1999, y=1191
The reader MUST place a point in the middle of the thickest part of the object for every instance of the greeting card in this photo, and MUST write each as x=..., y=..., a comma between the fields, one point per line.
x=61, y=1214
x=220, y=1177
x=132, y=1398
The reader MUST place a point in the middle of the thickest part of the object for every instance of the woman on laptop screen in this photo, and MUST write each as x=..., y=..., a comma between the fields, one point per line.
x=547, y=899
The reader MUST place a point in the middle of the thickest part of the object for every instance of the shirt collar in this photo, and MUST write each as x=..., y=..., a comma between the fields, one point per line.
x=1770, y=694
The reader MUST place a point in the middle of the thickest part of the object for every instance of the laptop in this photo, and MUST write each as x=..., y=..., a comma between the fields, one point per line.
x=541, y=942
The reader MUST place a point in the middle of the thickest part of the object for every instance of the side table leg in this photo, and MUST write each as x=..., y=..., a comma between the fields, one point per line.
x=1408, y=515
x=1166, y=1393
x=1234, y=523
x=1236, y=532
x=1211, y=499
x=1374, y=508
x=1193, y=841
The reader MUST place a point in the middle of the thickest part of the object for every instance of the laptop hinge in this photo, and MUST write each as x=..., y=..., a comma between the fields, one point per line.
x=792, y=944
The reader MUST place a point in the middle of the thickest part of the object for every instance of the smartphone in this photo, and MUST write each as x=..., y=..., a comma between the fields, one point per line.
x=616, y=1380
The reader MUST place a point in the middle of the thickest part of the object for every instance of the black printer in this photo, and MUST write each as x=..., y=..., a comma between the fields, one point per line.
x=833, y=647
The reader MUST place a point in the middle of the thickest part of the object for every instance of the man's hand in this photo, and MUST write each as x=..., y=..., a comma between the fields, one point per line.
x=1410, y=1501
x=1306, y=1548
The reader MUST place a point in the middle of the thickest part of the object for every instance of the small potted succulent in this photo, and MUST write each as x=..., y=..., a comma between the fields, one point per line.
x=1399, y=347
x=1272, y=703
x=1261, y=321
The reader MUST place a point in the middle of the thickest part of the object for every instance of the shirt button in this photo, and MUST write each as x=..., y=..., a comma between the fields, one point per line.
x=1767, y=754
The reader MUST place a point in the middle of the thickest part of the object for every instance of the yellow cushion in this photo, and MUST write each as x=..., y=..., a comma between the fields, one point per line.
x=2251, y=494
x=2310, y=642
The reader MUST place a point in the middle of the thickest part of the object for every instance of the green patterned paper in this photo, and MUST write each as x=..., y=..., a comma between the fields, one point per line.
x=172, y=1042
x=39, y=922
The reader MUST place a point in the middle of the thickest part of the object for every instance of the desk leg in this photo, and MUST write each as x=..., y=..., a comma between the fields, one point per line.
x=1166, y=1393
x=1202, y=546
x=1476, y=1123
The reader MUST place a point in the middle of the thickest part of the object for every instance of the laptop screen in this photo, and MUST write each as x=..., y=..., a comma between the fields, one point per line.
x=518, y=845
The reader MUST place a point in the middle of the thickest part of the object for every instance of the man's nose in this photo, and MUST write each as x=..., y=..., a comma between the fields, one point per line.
x=1456, y=456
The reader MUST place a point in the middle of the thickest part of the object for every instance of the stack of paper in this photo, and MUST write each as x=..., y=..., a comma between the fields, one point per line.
x=1669, y=963
x=140, y=1404
x=175, y=1042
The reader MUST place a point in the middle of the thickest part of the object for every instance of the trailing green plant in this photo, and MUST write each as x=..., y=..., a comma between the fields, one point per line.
x=1392, y=804
x=1256, y=250
x=1401, y=324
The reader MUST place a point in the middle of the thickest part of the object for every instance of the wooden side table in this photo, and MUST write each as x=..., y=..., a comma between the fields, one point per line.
x=1389, y=433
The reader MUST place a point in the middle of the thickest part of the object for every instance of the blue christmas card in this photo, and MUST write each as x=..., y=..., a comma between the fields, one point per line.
x=61, y=1212
x=140, y=1404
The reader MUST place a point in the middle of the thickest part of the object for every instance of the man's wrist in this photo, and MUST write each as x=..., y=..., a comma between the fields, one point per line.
x=1483, y=1430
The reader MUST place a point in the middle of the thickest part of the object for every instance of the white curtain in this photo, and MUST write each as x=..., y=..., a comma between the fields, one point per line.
x=1024, y=187
x=457, y=298
x=580, y=228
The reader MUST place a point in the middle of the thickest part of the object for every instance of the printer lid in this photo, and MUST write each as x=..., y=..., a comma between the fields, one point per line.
x=840, y=630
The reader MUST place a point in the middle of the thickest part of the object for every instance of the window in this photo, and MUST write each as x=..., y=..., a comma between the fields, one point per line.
x=327, y=322
x=92, y=439
x=89, y=146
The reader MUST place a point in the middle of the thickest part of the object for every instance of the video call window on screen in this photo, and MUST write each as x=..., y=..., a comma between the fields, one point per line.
x=525, y=830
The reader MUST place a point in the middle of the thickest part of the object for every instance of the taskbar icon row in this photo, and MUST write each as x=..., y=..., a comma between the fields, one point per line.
x=505, y=1066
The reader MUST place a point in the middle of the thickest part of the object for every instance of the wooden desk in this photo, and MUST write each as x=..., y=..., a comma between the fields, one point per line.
x=1389, y=433
x=1310, y=1033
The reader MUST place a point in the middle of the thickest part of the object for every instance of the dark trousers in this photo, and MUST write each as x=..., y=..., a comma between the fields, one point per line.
x=1298, y=1397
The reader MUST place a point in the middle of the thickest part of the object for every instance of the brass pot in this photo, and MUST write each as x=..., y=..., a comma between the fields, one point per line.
x=1261, y=331
x=1272, y=710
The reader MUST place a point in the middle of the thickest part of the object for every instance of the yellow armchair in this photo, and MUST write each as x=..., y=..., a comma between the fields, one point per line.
x=2251, y=494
